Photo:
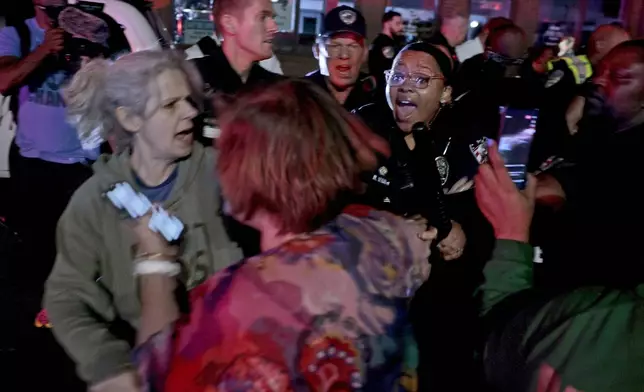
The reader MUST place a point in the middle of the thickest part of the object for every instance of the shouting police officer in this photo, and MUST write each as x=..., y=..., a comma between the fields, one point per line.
x=341, y=51
x=386, y=46
x=247, y=29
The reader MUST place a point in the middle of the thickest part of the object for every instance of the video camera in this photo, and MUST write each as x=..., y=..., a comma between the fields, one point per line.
x=78, y=46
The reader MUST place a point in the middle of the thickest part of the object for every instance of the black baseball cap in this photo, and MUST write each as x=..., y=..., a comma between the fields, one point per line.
x=344, y=19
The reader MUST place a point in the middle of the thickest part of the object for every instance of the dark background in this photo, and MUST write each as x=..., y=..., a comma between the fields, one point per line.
x=16, y=9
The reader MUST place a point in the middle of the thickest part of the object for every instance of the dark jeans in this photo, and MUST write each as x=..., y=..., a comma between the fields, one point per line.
x=40, y=192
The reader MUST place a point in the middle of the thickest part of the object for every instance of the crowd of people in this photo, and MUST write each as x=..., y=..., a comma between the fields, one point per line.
x=345, y=230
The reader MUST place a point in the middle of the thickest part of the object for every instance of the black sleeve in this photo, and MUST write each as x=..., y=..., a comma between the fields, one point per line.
x=378, y=63
x=206, y=69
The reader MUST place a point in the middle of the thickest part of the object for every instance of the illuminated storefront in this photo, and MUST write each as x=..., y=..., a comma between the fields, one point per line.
x=193, y=20
x=193, y=17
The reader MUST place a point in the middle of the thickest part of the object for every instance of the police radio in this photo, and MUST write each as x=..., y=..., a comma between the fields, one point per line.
x=425, y=159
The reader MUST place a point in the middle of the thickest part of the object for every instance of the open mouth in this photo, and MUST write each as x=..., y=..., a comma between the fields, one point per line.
x=404, y=108
x=344, y=70
x=184, y=135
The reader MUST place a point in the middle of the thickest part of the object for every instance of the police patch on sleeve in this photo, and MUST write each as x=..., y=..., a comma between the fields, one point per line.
x=479, y=150
x=348, y=17
x=388, y=52
x=554, y=78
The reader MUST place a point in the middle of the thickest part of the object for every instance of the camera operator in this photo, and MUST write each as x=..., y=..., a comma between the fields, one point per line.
x=47, y=157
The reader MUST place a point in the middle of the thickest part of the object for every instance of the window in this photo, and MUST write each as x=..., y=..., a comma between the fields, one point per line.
x=309, y=25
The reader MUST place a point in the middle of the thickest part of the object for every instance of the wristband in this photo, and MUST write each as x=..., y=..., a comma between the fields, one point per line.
x=157, y=267
x=153, y=257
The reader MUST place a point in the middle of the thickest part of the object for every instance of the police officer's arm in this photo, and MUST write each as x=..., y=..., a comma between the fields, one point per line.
x=13, y=69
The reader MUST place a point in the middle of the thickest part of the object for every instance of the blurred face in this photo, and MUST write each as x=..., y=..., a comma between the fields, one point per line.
x=415, y=86
x=255, y=29
x=41, y=16
x=540, y=65
x=456, y=30
x=508, y=50
x=166, y=132
x=566, y=45
x=342, y=56
x=622, y=82
x=604, y=46
x=395, y=26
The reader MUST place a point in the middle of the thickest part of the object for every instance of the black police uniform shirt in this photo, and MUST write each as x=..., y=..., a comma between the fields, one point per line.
x=363, y=93
x=458, y=155
x=561, y=85
x=560, y=88
x=220, y=77
x=468, y=75
x=440, y=40
x=381, y=57
x=391, y=188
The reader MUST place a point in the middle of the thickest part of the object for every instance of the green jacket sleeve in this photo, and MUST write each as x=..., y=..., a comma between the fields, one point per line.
x=72, y=297
x=508, y=272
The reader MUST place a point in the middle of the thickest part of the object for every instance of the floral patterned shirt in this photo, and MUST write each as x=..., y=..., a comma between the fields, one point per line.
x=326, y=311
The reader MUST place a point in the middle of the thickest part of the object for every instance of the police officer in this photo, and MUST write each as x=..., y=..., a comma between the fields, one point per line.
x=418, y=91
x=577, y=69
x=568, y=76
x=234, y=65
x=386, y=46
x=340, y=51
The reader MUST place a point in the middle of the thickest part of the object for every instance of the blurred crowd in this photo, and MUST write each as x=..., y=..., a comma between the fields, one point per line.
x=373, y=225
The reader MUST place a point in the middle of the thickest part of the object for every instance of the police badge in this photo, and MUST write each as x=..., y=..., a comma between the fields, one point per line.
x=479, y=150
x=348, y=17
x=443, y=168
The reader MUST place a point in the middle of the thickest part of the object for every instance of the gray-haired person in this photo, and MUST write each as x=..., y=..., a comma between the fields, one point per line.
x=143, y=103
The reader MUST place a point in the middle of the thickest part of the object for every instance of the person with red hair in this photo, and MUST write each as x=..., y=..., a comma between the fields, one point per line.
x=324, y=306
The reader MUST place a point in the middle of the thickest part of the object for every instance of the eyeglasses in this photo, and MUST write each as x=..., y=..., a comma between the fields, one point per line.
x=396, y=79
x=337, y=50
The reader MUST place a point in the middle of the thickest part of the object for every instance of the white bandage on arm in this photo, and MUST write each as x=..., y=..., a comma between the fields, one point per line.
x=157, y=267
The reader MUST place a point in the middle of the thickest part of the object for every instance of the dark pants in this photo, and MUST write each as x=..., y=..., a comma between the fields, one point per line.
x=40, y=192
